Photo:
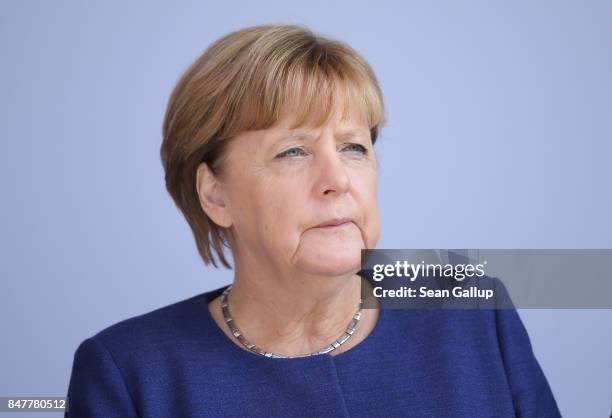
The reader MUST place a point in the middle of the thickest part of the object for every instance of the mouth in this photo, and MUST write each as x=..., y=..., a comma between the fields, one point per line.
x=335, y=223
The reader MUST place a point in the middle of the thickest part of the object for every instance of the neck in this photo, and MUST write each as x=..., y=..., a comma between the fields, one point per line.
x=293, y=317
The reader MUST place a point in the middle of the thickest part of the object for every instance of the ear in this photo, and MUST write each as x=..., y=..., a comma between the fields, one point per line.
x=212, y=196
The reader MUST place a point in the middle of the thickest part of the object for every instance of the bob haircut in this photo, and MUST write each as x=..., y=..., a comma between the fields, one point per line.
x=245, y=81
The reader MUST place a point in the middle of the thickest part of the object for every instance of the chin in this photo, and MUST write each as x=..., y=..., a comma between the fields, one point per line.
x=330, y=264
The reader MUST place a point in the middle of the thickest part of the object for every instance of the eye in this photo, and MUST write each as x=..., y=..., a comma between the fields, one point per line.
x=356, y=147
x=291, y=152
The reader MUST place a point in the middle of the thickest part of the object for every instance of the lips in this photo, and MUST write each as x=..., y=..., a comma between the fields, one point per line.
x=334, y=222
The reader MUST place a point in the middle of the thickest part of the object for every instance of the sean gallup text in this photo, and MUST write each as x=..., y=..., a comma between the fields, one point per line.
x=424, y=292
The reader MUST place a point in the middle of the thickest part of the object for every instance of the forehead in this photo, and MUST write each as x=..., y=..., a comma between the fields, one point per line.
x=346, y=121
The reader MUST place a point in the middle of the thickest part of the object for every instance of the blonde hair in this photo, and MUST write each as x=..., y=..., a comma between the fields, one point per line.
x=245, y=81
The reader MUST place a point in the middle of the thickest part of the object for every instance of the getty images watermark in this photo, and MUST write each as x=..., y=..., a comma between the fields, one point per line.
x=486, y=279
x=421, y=271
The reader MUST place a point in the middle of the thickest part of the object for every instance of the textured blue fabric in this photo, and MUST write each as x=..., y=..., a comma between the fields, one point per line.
x=176, y=362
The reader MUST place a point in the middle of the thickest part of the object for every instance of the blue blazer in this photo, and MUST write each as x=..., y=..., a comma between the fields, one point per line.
x=176, y=362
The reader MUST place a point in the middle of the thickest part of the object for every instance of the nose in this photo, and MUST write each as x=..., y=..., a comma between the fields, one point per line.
x=332, y=175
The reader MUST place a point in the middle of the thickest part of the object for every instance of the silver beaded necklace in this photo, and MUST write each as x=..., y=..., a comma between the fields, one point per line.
x=348, y=333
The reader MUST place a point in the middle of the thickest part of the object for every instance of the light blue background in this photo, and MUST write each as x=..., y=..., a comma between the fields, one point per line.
x=500, y=122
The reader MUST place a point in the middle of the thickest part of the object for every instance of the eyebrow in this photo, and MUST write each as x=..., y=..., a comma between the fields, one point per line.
x=350, y=133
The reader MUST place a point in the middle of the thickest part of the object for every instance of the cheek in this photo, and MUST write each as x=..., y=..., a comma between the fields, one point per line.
x=275, y=211
x=371, y=215
x=374, y=227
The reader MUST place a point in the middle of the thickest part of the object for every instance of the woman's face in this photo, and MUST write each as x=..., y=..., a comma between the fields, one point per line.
x=280, y=185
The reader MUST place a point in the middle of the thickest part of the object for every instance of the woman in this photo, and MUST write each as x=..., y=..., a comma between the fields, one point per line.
x=268, y=151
